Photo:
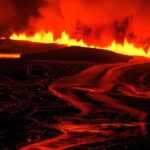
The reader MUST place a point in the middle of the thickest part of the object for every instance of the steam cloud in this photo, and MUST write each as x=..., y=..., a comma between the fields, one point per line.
x=95, y=21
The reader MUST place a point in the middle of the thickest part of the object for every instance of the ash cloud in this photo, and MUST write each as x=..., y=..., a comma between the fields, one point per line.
x=95, y=21
x=14, y=14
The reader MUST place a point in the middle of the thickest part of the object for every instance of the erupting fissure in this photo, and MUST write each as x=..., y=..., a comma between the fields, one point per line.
x=48, y=37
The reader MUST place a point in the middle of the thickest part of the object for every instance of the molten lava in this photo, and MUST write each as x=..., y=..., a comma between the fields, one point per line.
x=10, y=56
x=48, y=37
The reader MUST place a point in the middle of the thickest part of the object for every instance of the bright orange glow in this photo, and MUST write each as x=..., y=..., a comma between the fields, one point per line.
x=43, y=37
x=12, y=56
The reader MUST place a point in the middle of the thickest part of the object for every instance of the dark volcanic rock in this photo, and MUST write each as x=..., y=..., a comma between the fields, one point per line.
x=79, y=54
x=36, y=51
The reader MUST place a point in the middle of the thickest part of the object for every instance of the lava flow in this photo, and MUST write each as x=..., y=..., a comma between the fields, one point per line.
x=10, y=56
x=81, y=89
x=109, y=103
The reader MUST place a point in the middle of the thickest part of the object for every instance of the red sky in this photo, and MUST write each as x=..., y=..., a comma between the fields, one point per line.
x=96, y=21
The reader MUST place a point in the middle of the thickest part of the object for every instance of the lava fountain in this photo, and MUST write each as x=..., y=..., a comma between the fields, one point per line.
x=48, y=37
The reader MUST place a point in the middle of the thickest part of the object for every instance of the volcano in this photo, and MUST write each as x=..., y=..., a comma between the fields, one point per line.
x=74, y=75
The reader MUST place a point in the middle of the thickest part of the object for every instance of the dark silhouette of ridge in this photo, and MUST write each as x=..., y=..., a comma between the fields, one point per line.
x=75, y=53
x=41, y=51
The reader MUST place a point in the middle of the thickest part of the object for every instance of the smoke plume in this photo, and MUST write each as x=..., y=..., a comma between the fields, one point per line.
x=96, y=22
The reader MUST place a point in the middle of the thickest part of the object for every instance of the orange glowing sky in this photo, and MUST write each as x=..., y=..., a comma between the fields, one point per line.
x=120, y=25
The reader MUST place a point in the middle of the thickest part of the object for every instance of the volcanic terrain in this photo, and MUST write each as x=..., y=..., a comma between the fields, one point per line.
x=57, y=97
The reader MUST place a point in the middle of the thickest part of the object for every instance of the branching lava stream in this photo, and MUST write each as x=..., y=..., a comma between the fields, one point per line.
x=109, y=103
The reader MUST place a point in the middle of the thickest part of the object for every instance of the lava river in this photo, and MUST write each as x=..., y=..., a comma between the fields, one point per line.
x=113, y=104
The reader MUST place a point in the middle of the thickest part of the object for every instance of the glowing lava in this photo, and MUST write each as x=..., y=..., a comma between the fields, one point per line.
x=44, y=37
x=11, y=56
